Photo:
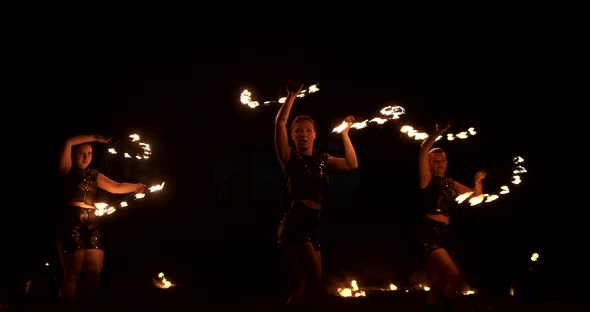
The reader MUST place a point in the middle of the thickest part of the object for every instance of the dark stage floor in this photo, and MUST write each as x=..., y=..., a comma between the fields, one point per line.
x=122, y=297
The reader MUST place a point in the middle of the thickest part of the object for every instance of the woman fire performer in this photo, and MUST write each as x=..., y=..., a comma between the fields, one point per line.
x=439, y=194
x=307, y=178
x=79, y=236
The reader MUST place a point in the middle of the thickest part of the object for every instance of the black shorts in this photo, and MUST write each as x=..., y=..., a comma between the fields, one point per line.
x=433, y=235
x=299, y=225
x=79, y=228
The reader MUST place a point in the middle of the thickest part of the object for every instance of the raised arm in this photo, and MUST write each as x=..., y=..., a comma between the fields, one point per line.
x=349, y=162
x=115, y=187
x=478, y=185
x=281, y=133
x=423, y=160
x=65, y=163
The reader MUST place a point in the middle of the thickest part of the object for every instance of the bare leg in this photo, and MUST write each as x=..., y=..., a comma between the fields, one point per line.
x=444, y=276
x=294, y=258
x=93, y=264
x=312, y=263
x=435, y=293
x=306, y=265
x=72, y=262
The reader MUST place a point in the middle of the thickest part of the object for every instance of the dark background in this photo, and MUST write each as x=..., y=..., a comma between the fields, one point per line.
x=212, y=228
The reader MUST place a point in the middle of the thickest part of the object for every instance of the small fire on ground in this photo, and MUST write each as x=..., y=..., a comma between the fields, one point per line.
x=354, y=290
x=162, y=282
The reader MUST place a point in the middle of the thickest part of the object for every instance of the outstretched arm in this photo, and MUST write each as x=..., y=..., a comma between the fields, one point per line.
x=423, y=160
x=281, y=134
x=349, y=162
x=115, y=187
x=65, y=163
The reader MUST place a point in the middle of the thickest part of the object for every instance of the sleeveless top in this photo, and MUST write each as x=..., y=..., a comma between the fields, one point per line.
x=80, y=185
x=439, y=196
x=307, y=176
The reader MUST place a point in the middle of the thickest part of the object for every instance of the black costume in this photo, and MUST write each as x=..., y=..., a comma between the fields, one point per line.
x=79, y=228
x=437, y=198
x=307, y=179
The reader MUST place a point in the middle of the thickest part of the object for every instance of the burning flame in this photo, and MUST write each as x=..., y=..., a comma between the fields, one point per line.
x=157, y=187
x=419, y=135
x=104, y=208
x=424, y=287
x=162, y=282
x=352, y=291
x=516, y=179
x=467, y=290
x=535, y=257
x=144, y=146
x=394, y=112
x=246, y=97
